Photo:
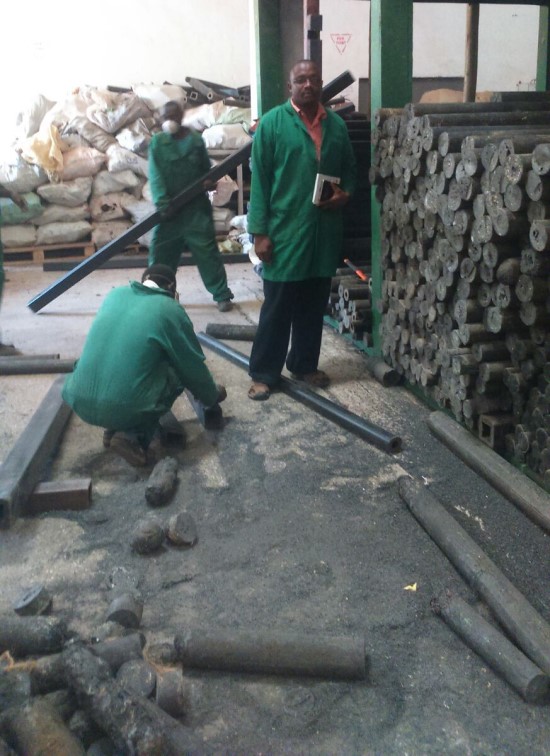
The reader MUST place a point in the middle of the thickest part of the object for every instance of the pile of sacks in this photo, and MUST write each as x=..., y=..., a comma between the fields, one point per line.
x=81, y=164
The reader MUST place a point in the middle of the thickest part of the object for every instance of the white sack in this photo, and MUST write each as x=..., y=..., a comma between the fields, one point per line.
x=230, y=137
x=222, y=219
x=63, y=112
x=126, y=108
x=62, y=214
x=18, y=236
x=137, y=209
x=92, y=133
x=82, y=161
x=63, y=233
x=146, y=192
x=210, y=114
x=108, y=207
x=69, y=140
x=28, y=121
x=155, y=95
x=68, y=193
x=224, y=189
x=103, y=233
x=121, y=159
x=137, y=135
x=105, y=182
x=18, y=176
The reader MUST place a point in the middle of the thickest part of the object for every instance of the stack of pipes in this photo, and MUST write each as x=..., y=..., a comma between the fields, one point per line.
x=350, y=302
x=465, y=249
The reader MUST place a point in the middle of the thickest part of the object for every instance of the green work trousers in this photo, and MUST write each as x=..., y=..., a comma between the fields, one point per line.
x=194, y=231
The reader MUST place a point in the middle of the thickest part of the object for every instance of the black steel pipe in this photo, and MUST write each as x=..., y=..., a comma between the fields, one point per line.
x=231, y=331
x=30, y=366
x=344, y=418
x=494, y=647
x=119, y=244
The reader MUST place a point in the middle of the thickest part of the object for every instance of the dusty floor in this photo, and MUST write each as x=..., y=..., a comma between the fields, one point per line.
x=300, y=527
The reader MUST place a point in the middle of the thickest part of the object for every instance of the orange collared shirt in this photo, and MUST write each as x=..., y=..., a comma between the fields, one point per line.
x=314, y=128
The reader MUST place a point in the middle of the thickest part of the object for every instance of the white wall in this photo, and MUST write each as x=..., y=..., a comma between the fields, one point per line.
x=345, y=39
x=52, y=48
x=508, y=40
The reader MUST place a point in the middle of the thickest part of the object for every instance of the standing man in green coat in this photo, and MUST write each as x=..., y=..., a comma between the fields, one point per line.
x=298, y=242
x=177, y=158
x=140, y=354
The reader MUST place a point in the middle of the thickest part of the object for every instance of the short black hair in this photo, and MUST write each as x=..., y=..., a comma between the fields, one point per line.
x=162, y=275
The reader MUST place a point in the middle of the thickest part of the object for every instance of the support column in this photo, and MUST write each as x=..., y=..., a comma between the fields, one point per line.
x=313, y=25
x=543, y=62
x=266, y=42
x=472, y=44
x=391, y=44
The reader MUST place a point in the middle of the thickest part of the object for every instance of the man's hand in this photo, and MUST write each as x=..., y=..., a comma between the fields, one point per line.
x=338, y=199
x=263, y=246
x=167, y=212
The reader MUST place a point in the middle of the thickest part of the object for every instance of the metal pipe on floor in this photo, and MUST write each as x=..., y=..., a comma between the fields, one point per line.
x=274, y=653
x=332, y=411
x=34, y=366
x=523, y=623
x=503, y=476
x=494, y=648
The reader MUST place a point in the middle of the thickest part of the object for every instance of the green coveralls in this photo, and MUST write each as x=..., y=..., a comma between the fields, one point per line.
x=307, y=240
x=175, y=164
x=140, y=354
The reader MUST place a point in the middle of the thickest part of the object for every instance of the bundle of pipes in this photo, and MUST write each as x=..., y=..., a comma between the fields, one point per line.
x=350, y=302
x=465, y=241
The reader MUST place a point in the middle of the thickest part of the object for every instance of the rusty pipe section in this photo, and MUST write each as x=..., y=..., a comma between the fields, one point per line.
x=369, y=432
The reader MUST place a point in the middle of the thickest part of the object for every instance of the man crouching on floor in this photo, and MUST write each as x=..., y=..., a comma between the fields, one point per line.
x=140, y=354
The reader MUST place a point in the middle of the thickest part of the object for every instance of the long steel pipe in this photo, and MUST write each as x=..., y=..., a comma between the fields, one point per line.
x=339, y=415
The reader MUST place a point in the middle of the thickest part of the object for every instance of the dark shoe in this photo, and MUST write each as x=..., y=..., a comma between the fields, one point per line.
x=317, y=379
x=107, y=437
x=128, y=447
x=225, y=305
x=259, y=392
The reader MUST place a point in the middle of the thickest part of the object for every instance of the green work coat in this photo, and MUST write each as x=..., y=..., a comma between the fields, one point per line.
x=306, y=240
x=175, y=164
x=140, y=354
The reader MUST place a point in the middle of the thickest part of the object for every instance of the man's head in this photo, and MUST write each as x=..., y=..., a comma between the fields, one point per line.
x=171, y=113
x=162, y=275
x=305, y=83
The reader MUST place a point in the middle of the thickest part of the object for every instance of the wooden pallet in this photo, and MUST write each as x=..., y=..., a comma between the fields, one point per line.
x=40, y=254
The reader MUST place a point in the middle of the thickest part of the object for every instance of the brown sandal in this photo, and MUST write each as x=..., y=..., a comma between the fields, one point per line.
x=259, y=392
x=318, y=379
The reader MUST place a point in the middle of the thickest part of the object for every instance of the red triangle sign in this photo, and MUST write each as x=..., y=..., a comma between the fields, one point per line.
x=341, y=41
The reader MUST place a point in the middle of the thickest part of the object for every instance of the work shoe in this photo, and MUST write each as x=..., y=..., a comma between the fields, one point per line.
x=128, y=447
x=225, y=305
x=317, y=379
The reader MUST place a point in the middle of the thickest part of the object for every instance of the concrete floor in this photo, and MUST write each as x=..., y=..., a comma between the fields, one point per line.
x=300, y=528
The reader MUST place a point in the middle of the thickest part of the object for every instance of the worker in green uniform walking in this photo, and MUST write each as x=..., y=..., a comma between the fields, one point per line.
x=298, y=242
x=177, y=158
x=21, y=203
x=140, y=354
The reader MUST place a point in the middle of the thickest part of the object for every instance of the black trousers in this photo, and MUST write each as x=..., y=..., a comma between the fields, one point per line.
x=292, y=311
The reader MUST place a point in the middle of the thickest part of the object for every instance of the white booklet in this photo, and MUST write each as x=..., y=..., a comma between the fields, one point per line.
x=323, y=190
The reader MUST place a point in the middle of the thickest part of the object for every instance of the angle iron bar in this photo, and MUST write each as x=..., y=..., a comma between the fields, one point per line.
x=128, y=237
